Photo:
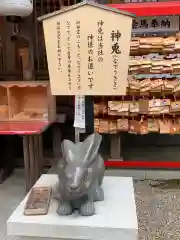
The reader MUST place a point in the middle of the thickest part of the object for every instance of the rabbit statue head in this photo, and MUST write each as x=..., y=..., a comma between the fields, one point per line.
x=79, y=164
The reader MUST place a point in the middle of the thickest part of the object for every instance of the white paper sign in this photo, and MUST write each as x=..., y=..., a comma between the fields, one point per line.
x=156, y=24
x=79, y=115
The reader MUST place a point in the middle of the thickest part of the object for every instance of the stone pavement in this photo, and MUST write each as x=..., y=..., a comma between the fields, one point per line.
x=158, y=210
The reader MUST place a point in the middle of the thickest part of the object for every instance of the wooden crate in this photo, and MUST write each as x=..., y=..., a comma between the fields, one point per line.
x=26, y=101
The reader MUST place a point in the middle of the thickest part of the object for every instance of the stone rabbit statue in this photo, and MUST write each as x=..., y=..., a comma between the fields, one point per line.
x=80, y=172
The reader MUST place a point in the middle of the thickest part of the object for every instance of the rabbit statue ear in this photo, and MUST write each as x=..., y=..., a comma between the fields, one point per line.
x=68, y=150
x=91, y=147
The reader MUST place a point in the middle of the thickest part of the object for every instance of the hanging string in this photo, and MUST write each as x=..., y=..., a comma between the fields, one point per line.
x=16, y=28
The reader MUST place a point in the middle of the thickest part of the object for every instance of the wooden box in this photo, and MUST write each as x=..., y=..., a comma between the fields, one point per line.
x=26, y=101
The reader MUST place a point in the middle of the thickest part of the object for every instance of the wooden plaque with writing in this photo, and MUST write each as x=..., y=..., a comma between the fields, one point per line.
x=38, y=201
x=88, y=55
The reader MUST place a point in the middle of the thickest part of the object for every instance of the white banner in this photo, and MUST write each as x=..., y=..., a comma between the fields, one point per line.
x=79, y=113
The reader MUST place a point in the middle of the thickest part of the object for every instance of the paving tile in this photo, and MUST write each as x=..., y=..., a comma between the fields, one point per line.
x=158, y=210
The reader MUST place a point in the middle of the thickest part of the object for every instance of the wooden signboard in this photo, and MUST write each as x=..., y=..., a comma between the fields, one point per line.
x=156, y=24
x=87, y=48
x=38, y=201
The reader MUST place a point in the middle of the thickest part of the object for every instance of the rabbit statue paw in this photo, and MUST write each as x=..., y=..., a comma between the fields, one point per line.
x=87, y=209
x=99, y=194
x=80, y=173
x=64, y=209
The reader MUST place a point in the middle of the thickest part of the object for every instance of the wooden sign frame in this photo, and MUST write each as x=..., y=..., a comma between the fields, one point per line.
x=88, y=56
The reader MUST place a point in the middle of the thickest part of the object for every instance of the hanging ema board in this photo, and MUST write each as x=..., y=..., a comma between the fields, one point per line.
x=87, y=48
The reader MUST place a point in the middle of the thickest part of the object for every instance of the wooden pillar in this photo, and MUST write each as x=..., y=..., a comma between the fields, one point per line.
x=33, y=159
x=116, y=147
x=89, y=114
x=7, y=157
x=57, y=139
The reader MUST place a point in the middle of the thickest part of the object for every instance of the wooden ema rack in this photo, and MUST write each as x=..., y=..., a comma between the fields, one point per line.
x=147, y=9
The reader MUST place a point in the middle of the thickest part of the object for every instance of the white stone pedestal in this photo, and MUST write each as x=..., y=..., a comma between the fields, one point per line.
x=115, y=219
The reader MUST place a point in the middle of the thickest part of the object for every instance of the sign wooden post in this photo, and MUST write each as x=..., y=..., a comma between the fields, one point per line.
x=87, y=48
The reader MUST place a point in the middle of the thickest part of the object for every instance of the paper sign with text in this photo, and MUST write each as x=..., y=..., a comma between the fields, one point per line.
x=79, y=112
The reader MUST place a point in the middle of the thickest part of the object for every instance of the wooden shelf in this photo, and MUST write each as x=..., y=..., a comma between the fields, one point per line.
x=26, y=101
